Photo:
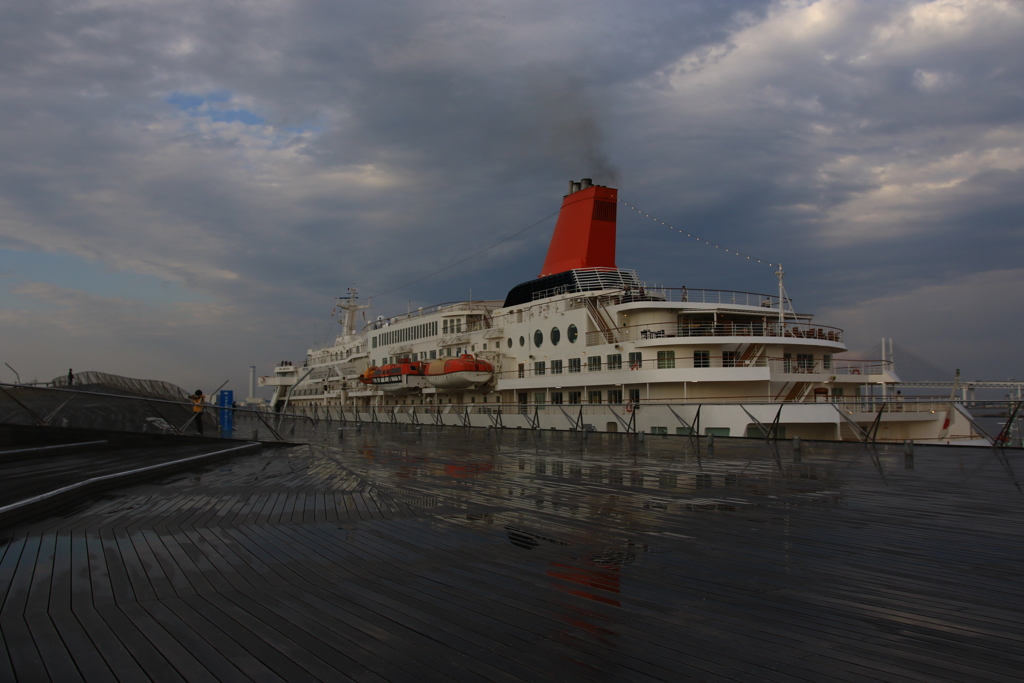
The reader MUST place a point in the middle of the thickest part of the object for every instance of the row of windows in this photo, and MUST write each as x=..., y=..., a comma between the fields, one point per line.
x=575, y=397
x=406, y=334
x=555, y=336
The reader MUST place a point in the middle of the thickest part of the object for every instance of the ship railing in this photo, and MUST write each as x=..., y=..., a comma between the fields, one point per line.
x=796, y=365
x=484, y=307
x=109, y=403
x=804, y=365
x=652, y=331
x=720, y=297
x=849, y=405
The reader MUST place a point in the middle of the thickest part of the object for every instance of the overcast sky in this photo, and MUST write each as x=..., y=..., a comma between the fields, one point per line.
x=186, y=185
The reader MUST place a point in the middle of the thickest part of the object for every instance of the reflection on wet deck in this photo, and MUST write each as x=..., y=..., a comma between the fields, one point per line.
x=416, y=554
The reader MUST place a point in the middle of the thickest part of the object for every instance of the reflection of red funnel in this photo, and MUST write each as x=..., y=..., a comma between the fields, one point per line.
x=585, y=233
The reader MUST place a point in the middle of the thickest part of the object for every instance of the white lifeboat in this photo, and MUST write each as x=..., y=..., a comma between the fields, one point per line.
x=459, y=373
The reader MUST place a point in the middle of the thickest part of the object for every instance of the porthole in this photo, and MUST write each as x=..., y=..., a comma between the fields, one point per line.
x=522, y=341
x=510, y=342
x=538, y=339
x=555, y=336
x=571, y=333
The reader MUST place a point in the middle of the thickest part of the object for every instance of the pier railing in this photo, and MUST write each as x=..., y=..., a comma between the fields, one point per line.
x=61, y=407
x=107, y=409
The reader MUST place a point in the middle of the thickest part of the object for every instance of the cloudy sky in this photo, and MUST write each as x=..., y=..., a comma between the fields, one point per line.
x=186, y=185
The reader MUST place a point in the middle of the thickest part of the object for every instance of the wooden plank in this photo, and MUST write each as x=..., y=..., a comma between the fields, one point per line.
x=21, y=647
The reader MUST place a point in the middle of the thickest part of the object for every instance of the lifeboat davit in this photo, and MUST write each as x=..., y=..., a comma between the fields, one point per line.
x=395, y=378
x=459, y=373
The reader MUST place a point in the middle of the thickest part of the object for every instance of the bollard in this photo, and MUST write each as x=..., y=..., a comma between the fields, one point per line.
x=908, y=454
x=641, y=436
x=419, y=431
x=711, y=444
x=796, y=449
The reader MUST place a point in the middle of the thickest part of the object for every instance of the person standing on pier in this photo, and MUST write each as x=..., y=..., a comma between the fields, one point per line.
x=197, y=399
x=71, y=377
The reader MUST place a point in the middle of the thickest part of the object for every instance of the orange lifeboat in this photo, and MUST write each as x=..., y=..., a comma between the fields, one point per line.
x=459, y=373
x=396, y=378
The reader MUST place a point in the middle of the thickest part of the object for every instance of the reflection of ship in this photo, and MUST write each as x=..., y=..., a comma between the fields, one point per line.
x=587, y=345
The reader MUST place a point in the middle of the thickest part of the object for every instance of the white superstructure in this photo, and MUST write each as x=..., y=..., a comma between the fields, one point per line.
x=591, y=347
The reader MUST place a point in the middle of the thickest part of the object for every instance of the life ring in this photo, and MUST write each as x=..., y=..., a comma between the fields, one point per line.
x=629, y=407
x=855, y=371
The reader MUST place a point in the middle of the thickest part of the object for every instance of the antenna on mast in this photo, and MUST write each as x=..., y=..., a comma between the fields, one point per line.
x=349, y=304
x=782, y=295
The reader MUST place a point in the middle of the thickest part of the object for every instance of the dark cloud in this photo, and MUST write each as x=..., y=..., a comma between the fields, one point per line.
x=266, y=155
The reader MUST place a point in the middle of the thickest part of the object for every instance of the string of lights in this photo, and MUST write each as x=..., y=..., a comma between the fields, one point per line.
x=695, y=237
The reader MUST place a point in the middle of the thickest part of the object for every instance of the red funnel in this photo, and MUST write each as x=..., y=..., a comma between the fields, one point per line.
x=585, y=232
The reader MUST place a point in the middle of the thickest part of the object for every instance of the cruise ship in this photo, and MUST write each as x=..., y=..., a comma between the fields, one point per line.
x=588, y=346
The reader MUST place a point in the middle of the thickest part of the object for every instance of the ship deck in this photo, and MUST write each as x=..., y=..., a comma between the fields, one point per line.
x=425, y=554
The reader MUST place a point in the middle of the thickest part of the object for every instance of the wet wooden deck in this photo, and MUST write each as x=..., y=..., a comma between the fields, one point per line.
x=460, y=555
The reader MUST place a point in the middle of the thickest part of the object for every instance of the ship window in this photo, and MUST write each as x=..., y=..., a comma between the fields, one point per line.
x=574, y=365
x=730, y=359
x=805, y=362
x=510, y=342
x=574, y=397
x=571, y=334
x=538, y=397
x=659, y=430
x=594, y=396
x=701, y=359
x=555, y=336
x=594, y=364
x=666, y=359
x=433, y=354
x=539, y=368
x=826, y=361
x=556, y=397
x=634, y=395
x=538, y=339
x=374, y=342
x=615, y=395
x=522, y=341
x=615, y=362
x=556, y=367
x=636, y=360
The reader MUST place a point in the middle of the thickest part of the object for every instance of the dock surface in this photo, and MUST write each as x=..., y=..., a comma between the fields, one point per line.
x=469, y=555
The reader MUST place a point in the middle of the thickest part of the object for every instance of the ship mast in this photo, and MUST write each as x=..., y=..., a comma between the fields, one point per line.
x=782, y=296
x=349, y=304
